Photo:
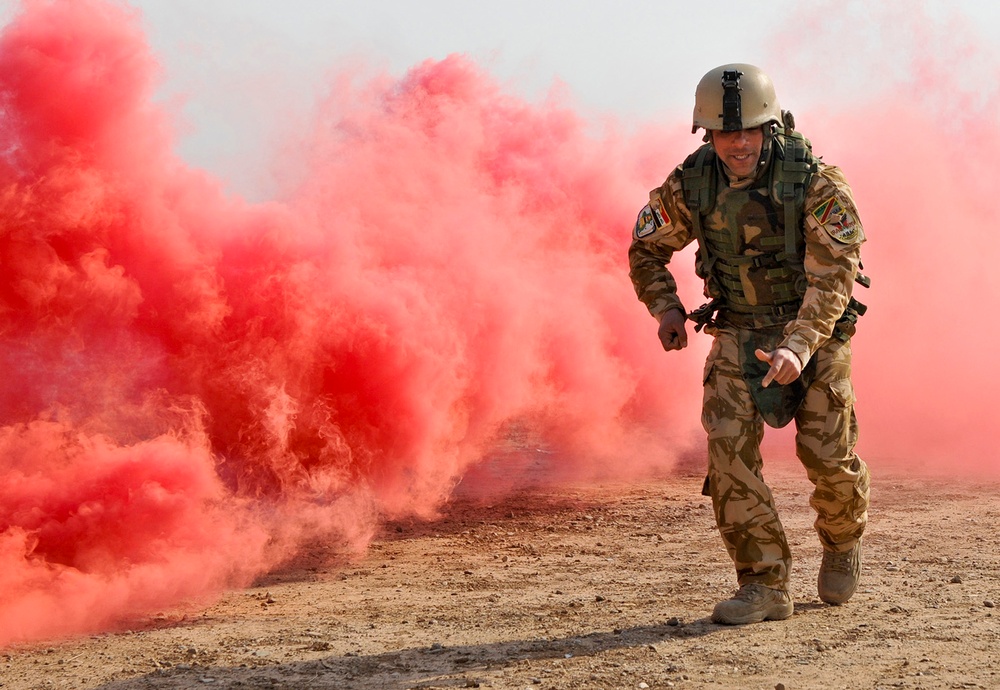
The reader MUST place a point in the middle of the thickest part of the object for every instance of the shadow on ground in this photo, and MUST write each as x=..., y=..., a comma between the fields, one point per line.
x=438, y=666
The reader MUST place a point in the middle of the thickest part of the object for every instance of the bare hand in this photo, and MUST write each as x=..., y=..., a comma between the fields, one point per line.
x=785, y=366
x=672, y=331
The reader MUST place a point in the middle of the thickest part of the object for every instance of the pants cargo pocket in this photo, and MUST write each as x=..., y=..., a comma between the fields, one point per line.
x=842, y=393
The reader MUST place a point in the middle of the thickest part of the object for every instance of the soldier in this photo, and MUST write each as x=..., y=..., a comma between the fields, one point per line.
x=778, y=248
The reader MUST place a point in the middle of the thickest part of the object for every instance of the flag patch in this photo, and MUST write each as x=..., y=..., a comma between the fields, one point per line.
x=839, y=223
x=659, y=212
x=651, y=217
x=645, y=224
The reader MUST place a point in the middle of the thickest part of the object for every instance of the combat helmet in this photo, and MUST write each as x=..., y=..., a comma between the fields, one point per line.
x=734, y=97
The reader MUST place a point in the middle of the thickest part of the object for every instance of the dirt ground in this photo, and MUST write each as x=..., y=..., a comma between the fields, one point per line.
x=582, y=587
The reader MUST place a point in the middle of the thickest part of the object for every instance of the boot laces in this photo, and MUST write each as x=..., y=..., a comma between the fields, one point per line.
x=840, y=561
x=751, y=593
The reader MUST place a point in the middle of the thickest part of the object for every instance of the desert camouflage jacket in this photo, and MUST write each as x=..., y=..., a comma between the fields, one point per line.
x=832, y=235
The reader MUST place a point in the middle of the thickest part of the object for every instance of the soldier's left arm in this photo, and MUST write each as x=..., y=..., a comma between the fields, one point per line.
x=833, y=237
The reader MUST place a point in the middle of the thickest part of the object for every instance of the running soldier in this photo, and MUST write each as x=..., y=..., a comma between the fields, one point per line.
x=779, y=239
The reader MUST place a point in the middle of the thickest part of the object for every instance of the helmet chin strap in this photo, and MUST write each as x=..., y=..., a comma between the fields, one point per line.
x=765, y=149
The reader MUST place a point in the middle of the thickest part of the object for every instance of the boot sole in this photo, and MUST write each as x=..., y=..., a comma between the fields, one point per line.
x=775, y=613
x=836, y=600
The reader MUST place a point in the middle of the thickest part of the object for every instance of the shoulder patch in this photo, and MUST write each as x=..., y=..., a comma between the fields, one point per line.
x=839, y=223
x=652, y=217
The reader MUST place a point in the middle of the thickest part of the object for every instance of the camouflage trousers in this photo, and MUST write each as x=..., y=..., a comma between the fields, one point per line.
x=826, y=433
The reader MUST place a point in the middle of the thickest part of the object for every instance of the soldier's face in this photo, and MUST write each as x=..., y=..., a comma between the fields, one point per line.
x=740, y=150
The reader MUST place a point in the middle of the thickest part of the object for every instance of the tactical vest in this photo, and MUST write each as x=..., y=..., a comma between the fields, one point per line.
x=750, y=244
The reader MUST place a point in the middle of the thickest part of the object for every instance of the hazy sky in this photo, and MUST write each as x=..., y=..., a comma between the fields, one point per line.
x=229, y=58
x=242, y=72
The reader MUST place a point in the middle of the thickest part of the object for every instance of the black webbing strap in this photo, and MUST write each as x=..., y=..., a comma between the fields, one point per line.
x=697, y=184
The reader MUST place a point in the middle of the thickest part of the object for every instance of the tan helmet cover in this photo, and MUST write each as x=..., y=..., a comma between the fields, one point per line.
x=751, y=101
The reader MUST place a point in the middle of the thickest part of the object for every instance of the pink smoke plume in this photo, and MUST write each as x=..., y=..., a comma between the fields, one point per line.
x=195, y=386
x=918, y=151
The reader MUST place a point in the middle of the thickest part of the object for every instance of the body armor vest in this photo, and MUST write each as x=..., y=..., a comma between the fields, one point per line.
x=750, y=245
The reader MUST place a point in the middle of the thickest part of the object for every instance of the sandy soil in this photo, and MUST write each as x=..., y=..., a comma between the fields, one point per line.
x=596, y=587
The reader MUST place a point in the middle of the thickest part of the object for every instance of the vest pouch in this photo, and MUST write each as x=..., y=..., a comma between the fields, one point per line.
x=777, y=404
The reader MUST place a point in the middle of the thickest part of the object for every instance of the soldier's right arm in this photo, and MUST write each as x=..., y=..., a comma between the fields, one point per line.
x=662, y=228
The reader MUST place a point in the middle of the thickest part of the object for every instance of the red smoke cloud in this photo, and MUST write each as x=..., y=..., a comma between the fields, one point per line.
x=919, y=152
x=196, y=386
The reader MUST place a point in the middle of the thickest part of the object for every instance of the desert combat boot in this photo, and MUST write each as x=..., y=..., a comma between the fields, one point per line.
x=754, y=603
x=839, y=574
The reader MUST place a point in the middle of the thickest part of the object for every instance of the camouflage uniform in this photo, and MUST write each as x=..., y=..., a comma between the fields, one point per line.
x=745, y=223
